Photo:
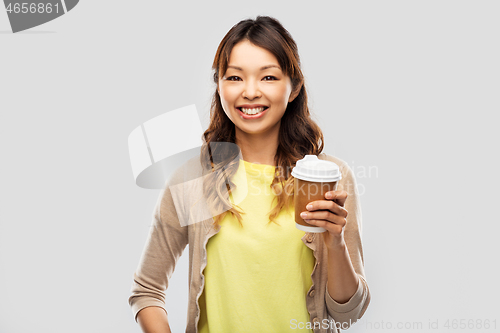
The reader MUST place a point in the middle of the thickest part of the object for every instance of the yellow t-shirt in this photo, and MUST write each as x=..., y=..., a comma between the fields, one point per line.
x=257, y=276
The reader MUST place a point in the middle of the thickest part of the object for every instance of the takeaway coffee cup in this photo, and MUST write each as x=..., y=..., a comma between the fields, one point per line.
x=313, y=178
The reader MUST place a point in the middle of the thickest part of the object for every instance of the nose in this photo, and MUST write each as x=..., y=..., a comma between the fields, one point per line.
x=251, y=90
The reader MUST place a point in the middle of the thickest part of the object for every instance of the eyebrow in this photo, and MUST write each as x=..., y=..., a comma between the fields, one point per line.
x=262, y=68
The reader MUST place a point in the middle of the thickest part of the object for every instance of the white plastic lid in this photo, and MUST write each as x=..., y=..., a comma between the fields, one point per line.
x=312, y=169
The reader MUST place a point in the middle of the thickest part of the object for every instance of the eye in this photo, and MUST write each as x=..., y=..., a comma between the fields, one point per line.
x=232, y=78
x=271, y=77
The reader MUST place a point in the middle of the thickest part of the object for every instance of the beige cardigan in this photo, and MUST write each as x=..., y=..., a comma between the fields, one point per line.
x=167, y=240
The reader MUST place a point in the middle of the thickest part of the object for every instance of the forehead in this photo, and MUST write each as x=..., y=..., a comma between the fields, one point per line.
x=247, y=56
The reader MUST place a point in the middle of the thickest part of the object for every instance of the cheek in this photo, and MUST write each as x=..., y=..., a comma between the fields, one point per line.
x=281, y=94
x=226, y=100
x=226, y=94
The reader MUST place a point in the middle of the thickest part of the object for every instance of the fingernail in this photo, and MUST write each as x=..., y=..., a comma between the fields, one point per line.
x=329, y=195
x=309, y=207
x=303, y=215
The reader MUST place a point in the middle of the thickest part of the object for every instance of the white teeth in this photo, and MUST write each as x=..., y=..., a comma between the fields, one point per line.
x=252, y=111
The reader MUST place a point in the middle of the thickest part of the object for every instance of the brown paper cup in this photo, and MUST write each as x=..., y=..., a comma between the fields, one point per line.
x=304, y=193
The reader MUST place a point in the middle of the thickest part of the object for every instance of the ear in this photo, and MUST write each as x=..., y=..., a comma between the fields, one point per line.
x=294, y=93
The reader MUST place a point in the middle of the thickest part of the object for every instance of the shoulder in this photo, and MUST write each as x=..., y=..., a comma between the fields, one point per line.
x=348, y=182
x=184, y=171
x=183, y=190
x=182, y=178
x=345, y=170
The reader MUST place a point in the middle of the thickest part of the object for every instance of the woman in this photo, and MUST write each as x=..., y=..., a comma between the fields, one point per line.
x=251, y=270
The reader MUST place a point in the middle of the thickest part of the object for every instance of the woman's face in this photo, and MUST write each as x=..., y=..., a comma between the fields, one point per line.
x=254, y=81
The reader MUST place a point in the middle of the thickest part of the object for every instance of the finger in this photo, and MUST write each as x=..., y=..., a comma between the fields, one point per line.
x=325, y=215
x=331, y=227
x=327, y=205
x=338, y=196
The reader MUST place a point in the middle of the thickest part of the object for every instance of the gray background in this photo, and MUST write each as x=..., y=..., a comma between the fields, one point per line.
x=408, y=88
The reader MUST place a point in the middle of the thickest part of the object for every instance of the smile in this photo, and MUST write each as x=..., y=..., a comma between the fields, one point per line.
x=253, y=111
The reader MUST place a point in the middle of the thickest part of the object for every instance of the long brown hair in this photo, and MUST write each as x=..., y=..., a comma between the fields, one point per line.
x=299, y=135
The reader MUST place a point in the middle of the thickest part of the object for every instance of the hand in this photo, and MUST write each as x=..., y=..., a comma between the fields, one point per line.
x=331, y=215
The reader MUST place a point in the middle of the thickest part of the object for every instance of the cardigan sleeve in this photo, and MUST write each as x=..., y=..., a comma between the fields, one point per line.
x=348, y=313
x=166, y=241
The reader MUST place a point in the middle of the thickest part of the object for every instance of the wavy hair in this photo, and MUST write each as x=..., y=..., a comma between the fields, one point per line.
x=299, y=135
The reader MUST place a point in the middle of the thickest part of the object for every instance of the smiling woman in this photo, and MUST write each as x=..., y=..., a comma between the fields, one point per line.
x=254, y=87
x=251, y=269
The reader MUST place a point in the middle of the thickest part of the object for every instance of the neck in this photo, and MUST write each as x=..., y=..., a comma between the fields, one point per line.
x=258, y=148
